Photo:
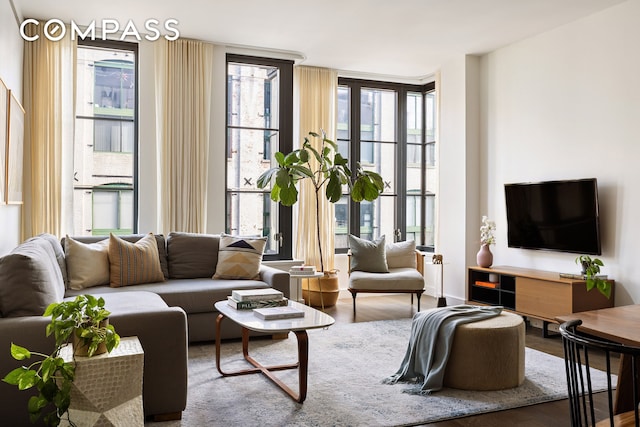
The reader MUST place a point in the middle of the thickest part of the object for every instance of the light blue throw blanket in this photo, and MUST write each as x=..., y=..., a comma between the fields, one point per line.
x=430, y=344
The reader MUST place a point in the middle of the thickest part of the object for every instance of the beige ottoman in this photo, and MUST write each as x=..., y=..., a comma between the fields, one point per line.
x=487, y=355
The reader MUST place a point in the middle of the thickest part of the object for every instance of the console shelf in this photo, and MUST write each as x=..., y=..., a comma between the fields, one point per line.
x=538, y=294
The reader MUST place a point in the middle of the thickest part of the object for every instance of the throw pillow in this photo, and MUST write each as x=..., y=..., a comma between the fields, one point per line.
x=239, y=257
x=401, y=254
x=134, y=263
x=367, y=255
x=87, y=263
x=30, y=278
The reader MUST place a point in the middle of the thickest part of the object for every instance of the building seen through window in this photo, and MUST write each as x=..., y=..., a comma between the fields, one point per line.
x=105, y=144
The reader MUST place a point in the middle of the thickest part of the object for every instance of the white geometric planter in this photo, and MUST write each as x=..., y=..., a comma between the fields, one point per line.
x=107, y=390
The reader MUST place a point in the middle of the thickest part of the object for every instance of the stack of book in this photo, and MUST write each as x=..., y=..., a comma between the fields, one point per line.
x=303, y=270
x=273, y=313
x=249, y=299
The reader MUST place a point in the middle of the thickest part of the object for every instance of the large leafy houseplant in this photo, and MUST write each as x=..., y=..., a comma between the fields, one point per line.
x=591, y=269
x=327, y=169
x=83, y=317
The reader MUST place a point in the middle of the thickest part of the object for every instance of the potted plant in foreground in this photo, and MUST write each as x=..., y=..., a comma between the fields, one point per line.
x=86, y=320
x=591, y=269
x=328, y=171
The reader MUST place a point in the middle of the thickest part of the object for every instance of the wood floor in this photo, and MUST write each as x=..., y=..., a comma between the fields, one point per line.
x=387, y=307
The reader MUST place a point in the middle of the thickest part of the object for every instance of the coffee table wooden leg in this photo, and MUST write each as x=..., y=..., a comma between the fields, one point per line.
x=302, y=364
x=303, y=360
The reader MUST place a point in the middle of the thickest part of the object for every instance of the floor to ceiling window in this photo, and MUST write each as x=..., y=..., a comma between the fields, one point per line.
x=389, y=128
x=259, y=123
x=105, y=145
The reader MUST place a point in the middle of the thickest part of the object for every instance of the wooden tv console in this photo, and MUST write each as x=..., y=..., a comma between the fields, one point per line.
x=538, y=294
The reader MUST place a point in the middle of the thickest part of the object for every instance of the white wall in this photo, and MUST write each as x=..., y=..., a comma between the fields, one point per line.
x=11, y=51
x=458, y=195
x=563, y=105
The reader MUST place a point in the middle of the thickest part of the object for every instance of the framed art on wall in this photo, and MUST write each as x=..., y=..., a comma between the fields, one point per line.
x=4, y=132
x=15, y=151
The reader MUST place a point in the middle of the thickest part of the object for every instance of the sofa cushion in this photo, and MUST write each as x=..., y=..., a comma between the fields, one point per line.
x=160, y=240
x=192, y=295
x=134, y=263
x=30, y=279
x=87, y=263
x=367, y=255
x=401, y=254
x=192, y=255
x=239, y=257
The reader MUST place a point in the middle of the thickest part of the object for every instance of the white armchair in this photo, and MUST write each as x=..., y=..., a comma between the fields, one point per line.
x=376, y=268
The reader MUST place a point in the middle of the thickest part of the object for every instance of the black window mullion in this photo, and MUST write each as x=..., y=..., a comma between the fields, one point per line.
x=423, y=178
x=401, y=164
x=286, y=145
x=354, y=208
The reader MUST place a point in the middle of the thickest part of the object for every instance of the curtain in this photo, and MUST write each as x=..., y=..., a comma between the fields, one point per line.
x=184, y=70
x=48, y=100
x=317, y=91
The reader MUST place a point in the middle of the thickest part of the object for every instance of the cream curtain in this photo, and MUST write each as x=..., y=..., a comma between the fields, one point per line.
x=184, y=70
x=316, y=95
x=48, y=100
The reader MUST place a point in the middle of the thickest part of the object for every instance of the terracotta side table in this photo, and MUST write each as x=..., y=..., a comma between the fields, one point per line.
x=107, y=390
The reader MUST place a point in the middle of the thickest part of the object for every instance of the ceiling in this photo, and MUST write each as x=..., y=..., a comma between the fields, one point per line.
x=402, y=38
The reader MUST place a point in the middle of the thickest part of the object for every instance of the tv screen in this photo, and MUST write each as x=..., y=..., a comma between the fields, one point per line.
x=554, y=215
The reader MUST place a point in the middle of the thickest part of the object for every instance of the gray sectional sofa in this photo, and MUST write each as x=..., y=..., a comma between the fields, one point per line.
x=165, y=315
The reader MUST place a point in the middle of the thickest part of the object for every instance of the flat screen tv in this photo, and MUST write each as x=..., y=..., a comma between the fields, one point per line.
x=554, y=215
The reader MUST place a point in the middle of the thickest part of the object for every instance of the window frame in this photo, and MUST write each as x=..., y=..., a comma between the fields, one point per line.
x=285, y=131
x=355, y=87
x=134, y=48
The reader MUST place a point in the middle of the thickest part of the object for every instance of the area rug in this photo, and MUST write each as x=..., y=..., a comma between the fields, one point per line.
x=347, y=363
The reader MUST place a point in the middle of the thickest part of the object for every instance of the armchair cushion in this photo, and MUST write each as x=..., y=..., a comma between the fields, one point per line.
x=367, y=255
x=401, y=279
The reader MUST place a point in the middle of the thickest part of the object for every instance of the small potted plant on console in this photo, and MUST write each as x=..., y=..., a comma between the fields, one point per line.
x=590, y=270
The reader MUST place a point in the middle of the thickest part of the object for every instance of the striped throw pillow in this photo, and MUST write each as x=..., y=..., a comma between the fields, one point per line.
x=134, y=263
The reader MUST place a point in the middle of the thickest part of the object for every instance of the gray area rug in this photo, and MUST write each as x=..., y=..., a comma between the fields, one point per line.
x=347, y=363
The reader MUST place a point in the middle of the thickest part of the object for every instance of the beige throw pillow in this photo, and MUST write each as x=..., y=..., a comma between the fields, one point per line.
x=239, y=257
x=87, y=263
x=401, y=254
x=134, y=263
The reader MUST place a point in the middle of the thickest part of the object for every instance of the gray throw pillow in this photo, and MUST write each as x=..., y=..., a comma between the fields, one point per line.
x=367, y=255
x=30, y=279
